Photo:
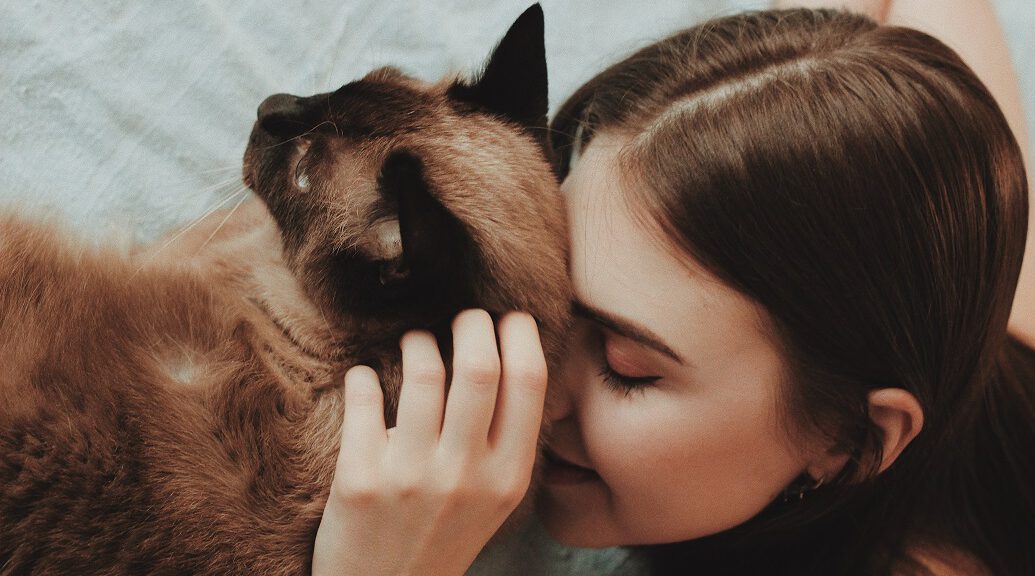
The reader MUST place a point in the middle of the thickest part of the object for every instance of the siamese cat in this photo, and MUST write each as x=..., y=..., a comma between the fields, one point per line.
x=178, y=411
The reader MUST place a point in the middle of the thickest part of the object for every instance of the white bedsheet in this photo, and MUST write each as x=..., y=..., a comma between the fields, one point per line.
x=134, y=115
x=123, y=115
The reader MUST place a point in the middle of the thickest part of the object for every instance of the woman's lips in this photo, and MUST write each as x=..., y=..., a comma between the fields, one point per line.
x=559, y=471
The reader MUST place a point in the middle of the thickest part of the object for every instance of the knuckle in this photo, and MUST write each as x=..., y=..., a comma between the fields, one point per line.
x=450, y=488
x=481, y=371
x=356, y=493
x=457, y=478
x=533, y=376
x=511, y=494
x=427, y=374
x=457, y=489
x=363, y=398
x=515, y=474
x=409, y=487
x=455, y=466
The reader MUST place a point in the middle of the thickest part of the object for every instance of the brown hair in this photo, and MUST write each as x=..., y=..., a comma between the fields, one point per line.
x=862, y=185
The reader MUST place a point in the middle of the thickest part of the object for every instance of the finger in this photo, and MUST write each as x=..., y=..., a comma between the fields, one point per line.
x=422, y=397
x=476, y=372
x=363, y=434
x=519, y=409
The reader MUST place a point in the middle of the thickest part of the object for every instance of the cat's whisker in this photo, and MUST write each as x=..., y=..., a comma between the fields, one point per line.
x=225, y=185
x=326, y=323
x=329, y=70
x=220, y=170
x=231, y=196
x=313, y=129
x=223, y=222
x=314, y=81
x=235, y=179
x=186, y=229
x=303, y=135
x=233, y=184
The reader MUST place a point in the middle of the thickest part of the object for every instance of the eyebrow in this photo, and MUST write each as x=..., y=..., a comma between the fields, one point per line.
x=625, y=328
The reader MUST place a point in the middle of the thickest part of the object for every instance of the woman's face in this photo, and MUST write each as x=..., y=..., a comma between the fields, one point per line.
x=668, y=402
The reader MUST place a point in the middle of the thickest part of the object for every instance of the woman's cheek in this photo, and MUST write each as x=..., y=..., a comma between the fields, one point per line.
x=615, y=434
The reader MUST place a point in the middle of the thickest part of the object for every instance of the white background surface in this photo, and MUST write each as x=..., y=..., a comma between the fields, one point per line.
x=134, y=115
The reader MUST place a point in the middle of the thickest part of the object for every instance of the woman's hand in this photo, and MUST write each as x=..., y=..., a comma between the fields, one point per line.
x=425, y=496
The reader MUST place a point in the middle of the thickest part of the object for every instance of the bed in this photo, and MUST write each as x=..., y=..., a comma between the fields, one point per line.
x=133, y=116
x=130, y=118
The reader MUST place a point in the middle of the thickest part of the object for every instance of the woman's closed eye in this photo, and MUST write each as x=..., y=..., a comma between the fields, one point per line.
x=620, y=369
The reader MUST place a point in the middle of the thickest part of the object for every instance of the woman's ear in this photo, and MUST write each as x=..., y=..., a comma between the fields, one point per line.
x=898, y=416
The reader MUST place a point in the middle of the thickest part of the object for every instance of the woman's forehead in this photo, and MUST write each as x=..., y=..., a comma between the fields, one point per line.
x=620, y=268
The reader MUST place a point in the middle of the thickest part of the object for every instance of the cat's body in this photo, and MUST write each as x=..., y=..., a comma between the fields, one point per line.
x=177, y=411
x=146, y=420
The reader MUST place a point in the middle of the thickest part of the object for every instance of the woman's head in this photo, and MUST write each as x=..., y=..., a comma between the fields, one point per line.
x=823, y=220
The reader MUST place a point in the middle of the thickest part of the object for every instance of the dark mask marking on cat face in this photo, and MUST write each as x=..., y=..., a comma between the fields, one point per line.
x=390, y=192
x=431, y=266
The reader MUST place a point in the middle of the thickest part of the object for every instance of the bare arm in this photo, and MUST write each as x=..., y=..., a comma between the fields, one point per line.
x=971, y=28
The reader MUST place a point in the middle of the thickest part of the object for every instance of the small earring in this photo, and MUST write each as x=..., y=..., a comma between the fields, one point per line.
x=801, y=486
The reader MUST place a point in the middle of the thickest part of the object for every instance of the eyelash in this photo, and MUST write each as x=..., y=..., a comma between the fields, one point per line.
x=625, y=384
x=620, y=382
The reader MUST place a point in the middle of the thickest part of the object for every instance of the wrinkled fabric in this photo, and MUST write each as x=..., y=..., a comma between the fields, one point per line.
x=131, y=117
x=531, y=552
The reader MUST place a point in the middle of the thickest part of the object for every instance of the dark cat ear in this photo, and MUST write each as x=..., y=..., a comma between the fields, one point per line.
x=435, y=244
x=514, y=81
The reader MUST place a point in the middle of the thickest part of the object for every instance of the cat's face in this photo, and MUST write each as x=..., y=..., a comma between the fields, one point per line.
x=401, y=202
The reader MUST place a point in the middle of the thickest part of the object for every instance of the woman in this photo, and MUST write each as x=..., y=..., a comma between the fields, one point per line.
x=796, y=241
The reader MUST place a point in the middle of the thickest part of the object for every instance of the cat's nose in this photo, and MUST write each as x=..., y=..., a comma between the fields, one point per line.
x=282, y=114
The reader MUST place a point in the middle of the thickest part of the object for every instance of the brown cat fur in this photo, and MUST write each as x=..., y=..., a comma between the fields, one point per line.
x=177, y=411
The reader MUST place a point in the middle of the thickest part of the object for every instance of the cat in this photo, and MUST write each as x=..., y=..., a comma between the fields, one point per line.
x=179, y=411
